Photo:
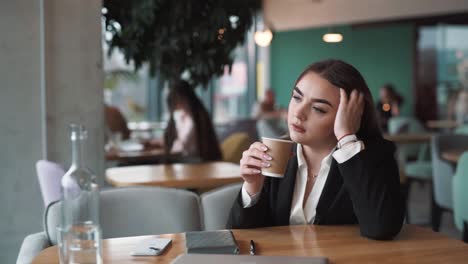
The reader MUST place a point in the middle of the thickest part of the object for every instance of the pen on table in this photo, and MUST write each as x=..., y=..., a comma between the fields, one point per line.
x=252, y=248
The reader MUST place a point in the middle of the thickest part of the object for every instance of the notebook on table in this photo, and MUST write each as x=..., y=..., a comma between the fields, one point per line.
x=211, y=242
x=241, y=259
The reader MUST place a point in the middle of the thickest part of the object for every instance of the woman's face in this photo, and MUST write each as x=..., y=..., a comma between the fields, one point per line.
x=384, y=94
x=312, y=111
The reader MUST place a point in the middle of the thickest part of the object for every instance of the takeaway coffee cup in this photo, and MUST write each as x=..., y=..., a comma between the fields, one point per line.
x=280, y=151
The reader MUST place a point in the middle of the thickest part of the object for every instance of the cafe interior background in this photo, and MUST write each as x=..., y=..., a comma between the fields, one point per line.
x=55, y=68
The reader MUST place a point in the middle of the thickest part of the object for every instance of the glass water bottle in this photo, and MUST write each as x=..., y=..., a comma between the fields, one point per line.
x=81, y=234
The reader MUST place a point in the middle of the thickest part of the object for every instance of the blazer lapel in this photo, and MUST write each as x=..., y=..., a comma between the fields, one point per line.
x=285, y=191
x=332, y=187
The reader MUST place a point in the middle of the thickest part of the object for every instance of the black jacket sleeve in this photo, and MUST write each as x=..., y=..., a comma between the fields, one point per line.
x=258, y=215
x=372, y=181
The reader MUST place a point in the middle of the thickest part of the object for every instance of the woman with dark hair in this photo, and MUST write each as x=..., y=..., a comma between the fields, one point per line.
x=189, y=129
x=341, y=170
x=388, y=105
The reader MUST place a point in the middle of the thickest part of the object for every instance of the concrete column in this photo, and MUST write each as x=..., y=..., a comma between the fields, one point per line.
x=50, y=75
x=74, y=78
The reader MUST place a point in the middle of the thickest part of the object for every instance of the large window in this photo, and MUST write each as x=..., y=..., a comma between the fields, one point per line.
x=443, y=64
x=140, y=97
x=124, y=88
x=231, y=90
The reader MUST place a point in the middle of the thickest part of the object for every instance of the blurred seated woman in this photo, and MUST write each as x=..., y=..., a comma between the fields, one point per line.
x=388, y=105
x=340, y=171
x=189, y=130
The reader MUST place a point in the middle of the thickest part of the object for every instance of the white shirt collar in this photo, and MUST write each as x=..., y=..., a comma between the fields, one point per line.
x=301, y=160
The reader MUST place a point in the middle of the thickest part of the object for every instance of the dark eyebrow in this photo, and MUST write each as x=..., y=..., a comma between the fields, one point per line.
x=298, y=91
x=317, y=100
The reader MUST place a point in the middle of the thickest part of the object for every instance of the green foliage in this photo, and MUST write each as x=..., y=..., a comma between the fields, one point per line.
x=175, y=36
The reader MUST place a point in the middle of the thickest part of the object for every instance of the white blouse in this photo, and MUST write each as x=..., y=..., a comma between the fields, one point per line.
x=186, y=141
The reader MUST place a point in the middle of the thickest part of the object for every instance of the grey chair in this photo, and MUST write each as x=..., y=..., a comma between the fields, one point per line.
x=216, y=205
x=49, y=175
x=443, y=172
x=124, y=212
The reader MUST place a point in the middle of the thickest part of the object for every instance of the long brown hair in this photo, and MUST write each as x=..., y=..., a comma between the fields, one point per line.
x=344, y=75
x=207, y=141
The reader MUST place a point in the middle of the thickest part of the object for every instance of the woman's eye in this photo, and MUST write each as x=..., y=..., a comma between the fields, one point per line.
x=318, y=110
x=296, y=98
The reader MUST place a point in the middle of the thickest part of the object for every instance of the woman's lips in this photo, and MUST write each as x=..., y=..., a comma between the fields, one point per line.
x=298, y=129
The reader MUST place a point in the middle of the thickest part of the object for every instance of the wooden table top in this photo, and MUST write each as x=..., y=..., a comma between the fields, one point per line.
x=409, y=138
x=452, y=155
x=129, y=155
x=441, y=124
x=145, y=156
x=177, y=175
x=341, y=244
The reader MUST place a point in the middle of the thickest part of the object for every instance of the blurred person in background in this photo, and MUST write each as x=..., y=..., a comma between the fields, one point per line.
x=116, y=124
x=267, y=107
x=388, y=105
x=271, y=120
x=189, y=130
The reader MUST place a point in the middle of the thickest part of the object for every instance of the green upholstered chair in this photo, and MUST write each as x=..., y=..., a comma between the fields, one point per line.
x=462, y=130
x=418, y=164
x=460, y=196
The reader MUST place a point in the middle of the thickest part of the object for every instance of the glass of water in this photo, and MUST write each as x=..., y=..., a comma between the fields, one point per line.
x=84, y=244
x=61, y=245
x=80, y=244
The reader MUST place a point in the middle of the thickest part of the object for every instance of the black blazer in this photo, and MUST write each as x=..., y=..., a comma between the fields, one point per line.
x=364, y=190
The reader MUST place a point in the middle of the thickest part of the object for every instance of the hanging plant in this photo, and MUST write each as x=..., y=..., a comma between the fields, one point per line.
x=175, y=37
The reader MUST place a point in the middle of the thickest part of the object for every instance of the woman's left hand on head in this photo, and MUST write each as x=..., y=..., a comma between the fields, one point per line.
x=348, y=116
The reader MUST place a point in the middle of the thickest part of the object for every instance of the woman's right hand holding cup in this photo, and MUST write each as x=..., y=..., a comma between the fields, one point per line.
x=252, y=162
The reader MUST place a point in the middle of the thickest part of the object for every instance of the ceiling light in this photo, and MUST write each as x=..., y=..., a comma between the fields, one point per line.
x=332, y=37
x=263, y=38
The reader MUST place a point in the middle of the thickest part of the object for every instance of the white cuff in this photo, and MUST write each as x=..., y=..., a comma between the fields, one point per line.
x=346, y=139
x=347, y=150
x=247, y=200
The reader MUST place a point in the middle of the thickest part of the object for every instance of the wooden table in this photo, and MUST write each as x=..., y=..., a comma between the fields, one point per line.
x=145, y=156
x=442, y=124
x=452, y=155
x=178, y=175
x=409, y=138
x=117, y=155
x=341, y=244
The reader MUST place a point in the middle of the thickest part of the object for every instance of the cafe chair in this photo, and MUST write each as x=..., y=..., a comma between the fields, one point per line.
x=443, y=172
x=460, y=196
x=417, y=170
x=404, y=124
x=216, y=205
x=129, y=211
x=234, y=145
x=134, y=211
x=246, y=125
x=461, y=130
x=49, y=175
